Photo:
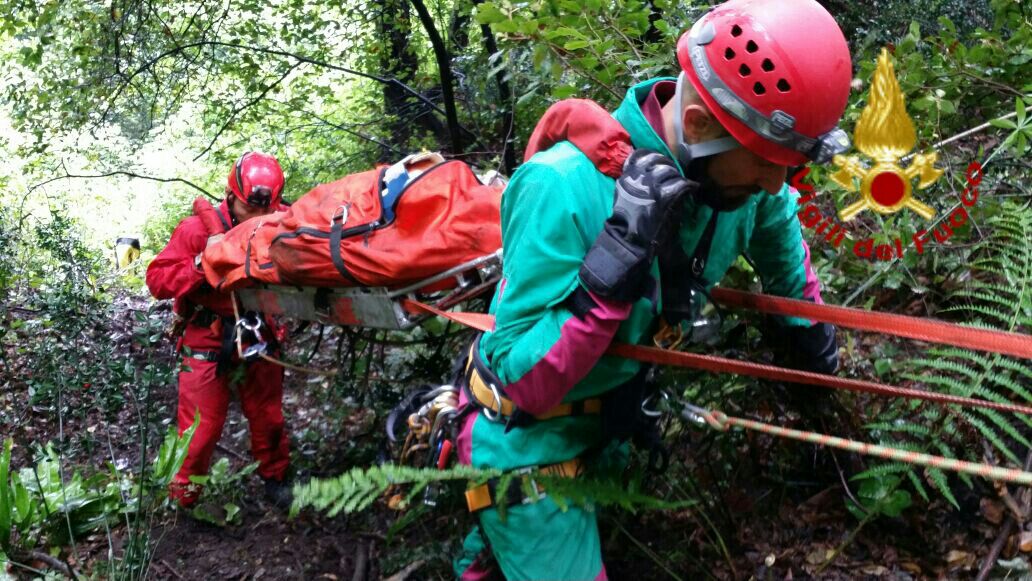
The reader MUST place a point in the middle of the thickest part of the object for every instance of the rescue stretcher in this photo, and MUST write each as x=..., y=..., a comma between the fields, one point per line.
x=375, y=307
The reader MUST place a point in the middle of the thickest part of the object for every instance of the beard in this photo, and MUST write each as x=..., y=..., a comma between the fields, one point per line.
x=714, y=195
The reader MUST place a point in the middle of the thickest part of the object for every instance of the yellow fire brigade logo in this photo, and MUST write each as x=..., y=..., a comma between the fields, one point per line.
x=885, y=134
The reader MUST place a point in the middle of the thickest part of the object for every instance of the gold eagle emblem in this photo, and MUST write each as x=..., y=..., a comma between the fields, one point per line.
x=885, y=134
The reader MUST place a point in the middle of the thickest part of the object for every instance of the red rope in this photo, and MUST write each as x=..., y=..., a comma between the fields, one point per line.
x=716, y=364
x=921, y=329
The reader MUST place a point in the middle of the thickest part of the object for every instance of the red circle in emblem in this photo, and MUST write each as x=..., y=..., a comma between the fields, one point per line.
x=888, y=189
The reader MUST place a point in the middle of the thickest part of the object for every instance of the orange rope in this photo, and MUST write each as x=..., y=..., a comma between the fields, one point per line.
x=721, y=421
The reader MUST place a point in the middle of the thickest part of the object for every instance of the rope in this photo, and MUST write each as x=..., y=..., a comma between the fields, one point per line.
x=720, y=421
x=716, y=364
x=921, y=329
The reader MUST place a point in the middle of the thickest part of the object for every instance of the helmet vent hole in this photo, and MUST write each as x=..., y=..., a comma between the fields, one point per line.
x=729, y=54
x=736, y=30
x=744, y=70
x=767, y=65
x=759, y=89
x=751, y=46
x=783, y=86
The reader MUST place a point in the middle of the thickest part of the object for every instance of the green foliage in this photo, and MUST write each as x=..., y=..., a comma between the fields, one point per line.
x=40, y=502
x=998, y=296
x=880, y=495
x=223, y=488
x=358, y=489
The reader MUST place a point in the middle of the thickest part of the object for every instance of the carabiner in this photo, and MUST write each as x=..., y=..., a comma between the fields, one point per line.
x=494, y=416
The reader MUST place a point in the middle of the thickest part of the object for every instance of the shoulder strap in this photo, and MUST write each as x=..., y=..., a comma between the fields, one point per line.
x=682, y=274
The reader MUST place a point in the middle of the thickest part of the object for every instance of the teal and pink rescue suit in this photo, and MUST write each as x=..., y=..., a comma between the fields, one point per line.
x=551, y=213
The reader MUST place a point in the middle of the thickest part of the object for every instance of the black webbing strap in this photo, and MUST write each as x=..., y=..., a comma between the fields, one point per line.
x=682, y=274
x=336, y=235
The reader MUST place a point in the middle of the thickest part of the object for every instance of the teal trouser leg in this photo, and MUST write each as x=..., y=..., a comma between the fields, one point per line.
x=539, y=541
x=474, y=563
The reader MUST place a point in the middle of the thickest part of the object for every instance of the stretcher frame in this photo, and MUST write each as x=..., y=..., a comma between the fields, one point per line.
x=374, y=307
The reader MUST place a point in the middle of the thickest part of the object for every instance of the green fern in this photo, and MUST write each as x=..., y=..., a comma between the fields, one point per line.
x=998, y=296
x=358, y=489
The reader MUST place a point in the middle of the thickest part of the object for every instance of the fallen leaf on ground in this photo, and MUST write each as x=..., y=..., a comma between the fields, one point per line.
x=959, y=558
x=992, y=510
x=1025, y=542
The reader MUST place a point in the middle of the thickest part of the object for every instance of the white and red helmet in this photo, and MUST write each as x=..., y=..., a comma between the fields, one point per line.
x=257, y=179
x=775, y=74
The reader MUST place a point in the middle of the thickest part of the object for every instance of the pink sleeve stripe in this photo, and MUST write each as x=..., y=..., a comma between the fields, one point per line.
x=581, y=343
x=812, y=290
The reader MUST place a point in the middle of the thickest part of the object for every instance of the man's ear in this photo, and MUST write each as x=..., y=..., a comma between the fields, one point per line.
x=697, y=122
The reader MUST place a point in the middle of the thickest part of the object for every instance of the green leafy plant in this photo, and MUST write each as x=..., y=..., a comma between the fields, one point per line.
x=879, y=495
x=223, y=490
x=998, y=296
x=358, y=489
x=37, y=503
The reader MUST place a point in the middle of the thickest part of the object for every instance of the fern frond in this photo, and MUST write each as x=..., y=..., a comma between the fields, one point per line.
x=991, y=435
x=938, y=478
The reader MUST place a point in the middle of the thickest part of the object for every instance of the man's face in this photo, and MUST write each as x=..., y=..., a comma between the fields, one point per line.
x=244, y=212
x=741, y=173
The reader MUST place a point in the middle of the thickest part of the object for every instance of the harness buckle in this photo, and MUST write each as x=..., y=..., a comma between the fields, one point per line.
x=538, y=492
x=341, y=213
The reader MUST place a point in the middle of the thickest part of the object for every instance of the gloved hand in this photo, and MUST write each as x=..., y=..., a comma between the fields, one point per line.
x=813, y=348
x=617, y=265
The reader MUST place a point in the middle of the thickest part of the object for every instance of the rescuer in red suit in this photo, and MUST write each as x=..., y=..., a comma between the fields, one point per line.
x=210, y=367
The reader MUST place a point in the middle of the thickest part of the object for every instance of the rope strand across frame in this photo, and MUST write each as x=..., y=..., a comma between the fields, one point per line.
x=899, y=325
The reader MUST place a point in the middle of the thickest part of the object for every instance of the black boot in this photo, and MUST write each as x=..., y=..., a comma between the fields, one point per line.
x=279, y=492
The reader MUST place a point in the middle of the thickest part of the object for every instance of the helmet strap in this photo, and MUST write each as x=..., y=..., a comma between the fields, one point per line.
x=686, y=152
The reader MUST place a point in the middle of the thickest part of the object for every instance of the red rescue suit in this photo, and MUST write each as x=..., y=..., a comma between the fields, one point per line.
x=174, y=274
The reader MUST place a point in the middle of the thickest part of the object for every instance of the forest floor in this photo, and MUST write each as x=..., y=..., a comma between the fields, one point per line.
x=774, y=509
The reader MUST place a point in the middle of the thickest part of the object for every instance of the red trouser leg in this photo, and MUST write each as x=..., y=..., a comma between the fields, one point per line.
x=261, y=398
x=200, y=391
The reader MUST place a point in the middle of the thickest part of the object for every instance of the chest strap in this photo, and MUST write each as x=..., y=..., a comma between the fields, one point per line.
x=486, y=495
x=483, y=389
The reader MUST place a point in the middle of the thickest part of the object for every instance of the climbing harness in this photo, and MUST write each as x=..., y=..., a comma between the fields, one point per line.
x=486, y=495
x=482, y=389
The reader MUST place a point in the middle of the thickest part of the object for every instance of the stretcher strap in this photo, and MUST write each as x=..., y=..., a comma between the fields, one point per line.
x=921, y=329
x=716, y=364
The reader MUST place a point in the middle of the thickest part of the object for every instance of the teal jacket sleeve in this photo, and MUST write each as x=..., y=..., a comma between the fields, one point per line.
x=779, y=252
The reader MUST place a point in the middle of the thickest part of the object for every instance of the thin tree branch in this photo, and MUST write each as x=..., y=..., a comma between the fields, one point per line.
x=347, y=130
x=244, y=107
x=277, y=52
x=444, y=68
x=123, y=173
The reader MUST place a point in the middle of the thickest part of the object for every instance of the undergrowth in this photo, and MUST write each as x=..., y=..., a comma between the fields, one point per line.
x=997, y=296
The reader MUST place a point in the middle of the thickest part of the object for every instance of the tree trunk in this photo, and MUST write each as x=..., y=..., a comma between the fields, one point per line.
x=444, y=66
x=398, y=60
x=505, y=103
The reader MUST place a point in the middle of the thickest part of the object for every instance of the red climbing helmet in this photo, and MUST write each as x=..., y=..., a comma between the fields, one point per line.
x=775, y=73
x=256, y=178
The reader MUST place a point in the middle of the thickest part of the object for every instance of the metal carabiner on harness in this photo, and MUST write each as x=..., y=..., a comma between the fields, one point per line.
x=491, y=415
x=260, y=347
x=660, y=397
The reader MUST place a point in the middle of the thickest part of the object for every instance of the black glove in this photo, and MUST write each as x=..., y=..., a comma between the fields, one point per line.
x=617, y=265
x=812, y=348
